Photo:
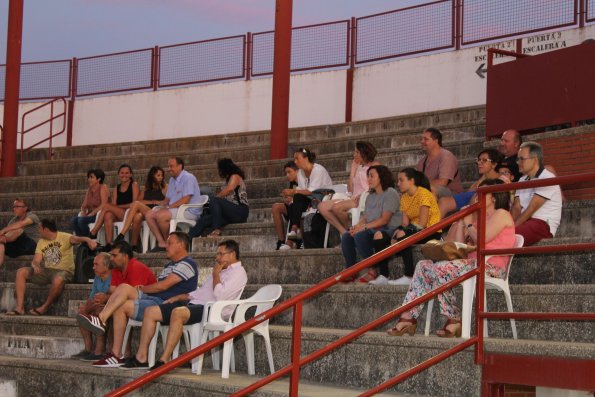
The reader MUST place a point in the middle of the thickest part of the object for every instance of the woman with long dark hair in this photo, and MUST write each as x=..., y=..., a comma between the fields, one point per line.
x=230, y=205
x=97, y=195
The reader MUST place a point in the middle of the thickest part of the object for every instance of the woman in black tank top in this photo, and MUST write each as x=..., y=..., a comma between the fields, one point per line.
x=151, y=196
x=122, y=198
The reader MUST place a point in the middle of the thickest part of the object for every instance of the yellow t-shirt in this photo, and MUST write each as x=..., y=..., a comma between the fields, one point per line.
x=410, y=206
x=57, y=253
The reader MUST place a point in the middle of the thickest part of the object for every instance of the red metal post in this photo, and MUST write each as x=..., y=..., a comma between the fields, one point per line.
x=281, y=79
x=11, y=90
x=480, y=284
x=248, y=55
x=296, y=345
x=582, y=13
x=458, y=23
x=73, y=87
x=349, y=83
x=155, y=68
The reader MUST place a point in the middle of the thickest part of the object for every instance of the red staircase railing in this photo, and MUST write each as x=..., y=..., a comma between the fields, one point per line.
x=296, y=302
x=50, y=121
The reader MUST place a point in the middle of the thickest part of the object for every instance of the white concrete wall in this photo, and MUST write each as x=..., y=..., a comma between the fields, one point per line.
x=420, y=84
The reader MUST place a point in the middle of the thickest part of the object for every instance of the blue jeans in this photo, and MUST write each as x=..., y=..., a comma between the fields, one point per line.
x=80, y=225
x=221, y=213
x=363, y=244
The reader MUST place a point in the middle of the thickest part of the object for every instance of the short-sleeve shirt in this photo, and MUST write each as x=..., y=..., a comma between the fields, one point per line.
x=410, y=206
x=443, y=166
x=360, y=180
x=319, y=179
x=100, y=286
x=137, y=273
x=32, y=231
x=387, y=201
x=551, y=211
x=184, y=185
x=57, y=253
x=187, y=270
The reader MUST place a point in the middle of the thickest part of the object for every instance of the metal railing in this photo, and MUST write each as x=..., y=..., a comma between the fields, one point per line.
x=51, y=121
x=296, y=302
x=441, y=25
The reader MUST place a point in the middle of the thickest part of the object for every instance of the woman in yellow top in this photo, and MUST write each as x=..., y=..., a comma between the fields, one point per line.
x=420, y=210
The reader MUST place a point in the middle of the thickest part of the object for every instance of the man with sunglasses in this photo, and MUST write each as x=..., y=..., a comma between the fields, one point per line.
x=225, y=283
x=536, y=211
x=21, y=234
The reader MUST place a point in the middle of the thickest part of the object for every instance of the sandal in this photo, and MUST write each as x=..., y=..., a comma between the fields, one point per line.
x=408, y=329
x=446, y=333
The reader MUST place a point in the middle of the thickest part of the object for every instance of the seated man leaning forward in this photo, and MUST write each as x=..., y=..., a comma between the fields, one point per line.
x=53, y=263
x=179, y=276
x=536, y=211
x=181, y=189
x=225, y=283
x=20, y=236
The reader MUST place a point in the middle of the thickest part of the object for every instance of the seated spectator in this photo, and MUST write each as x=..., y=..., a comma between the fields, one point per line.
x=230, y=205
x=95, y=303
x=181, y=189
x=488, y=161
x=420, y=210
x=336, y=211
x=499, y=234
x=97, y=195
x=279, y=210
x=510, y=144
x=225, y=283
x=311, y=176
x=381, y=215
x=151, y=196
x=179, y=276
x=53, y=263
x=123, y=196
x=439, y=165
x=536, y=211
x=20, y=236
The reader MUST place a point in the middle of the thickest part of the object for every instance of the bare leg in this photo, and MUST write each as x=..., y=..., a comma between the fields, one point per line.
x=119, y=322
x=99, y=344
x=151, y=317
x=278, y=210
x=136, y=228
x=87, y=338
x=56, y=289
x=108, y=220
x=155, y=220
x=23, y=274
x=179, y=317
x=98, y=222
x=121, y=295
x=341, y=212
x=2, y=250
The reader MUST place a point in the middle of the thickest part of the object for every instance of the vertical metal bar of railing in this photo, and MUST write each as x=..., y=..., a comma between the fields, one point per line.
x=155, y=68
x=480, y=284
x=248, y=56
x=457, y=23
x=52, y=129
x=296, y=346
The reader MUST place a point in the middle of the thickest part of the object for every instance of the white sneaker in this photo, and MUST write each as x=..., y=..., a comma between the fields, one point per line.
x=380, y=280
x=293, y=235
x=401, y=281
x=284, y=247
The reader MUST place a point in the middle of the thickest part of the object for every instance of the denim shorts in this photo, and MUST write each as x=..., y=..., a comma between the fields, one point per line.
x=144, y=300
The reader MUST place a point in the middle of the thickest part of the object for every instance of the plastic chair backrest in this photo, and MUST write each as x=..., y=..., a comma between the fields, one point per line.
x=268, y=293
x=340, y=188
x=203, y=199
x=518, y=243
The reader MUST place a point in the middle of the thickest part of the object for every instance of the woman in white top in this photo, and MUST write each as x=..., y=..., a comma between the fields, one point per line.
x=336, y=211
x=311, y=176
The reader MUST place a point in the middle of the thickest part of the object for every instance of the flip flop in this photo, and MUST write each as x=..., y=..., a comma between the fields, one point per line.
x=35, y=312
x=14, y=313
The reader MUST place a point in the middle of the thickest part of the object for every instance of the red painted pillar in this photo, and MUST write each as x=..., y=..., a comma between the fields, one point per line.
x=281, y=72
x=11, y=90
x=350, y=71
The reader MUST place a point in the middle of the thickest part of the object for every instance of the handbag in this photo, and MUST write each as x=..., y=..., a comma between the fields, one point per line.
x=437, y=250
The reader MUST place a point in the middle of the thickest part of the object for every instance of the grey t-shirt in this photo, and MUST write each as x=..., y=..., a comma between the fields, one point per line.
x=31, y=230
x=387, y=201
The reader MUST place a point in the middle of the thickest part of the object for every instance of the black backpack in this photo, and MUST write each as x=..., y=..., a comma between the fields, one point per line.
x=83, y=265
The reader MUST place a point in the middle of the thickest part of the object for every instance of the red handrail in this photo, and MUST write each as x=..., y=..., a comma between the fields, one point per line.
x=50, y=121
x=296, y=301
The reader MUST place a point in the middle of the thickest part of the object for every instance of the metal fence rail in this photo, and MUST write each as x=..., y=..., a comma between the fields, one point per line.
x=407, y=31
x=318, y=46
x=123, y=71
x=202, y=61
x=41, y=80
x=484, y=20
x=590, y=10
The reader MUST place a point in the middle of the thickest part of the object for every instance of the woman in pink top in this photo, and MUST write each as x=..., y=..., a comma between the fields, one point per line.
x=429, y=275
x=336, y=211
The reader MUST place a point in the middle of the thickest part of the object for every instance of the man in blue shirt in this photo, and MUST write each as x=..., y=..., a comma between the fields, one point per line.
x=182, y=189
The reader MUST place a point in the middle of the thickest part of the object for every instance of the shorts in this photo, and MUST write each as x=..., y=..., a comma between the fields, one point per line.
x=462, y=199
x=47, y=275
x=533, y=230
x=24, y=245
x=187, y=214
x=195, y=312
x=144, y=300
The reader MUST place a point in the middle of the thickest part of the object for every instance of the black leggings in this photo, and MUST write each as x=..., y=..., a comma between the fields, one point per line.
x=406, y=254
x=299, y=205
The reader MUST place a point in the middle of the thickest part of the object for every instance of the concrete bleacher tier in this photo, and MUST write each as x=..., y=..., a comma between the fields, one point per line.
x=561, y=282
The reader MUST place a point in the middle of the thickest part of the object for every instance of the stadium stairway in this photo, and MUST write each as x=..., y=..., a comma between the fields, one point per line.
x=34, y=351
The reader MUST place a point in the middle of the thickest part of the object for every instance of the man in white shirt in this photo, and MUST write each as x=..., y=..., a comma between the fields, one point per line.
x=536, y=211
x=225, y=283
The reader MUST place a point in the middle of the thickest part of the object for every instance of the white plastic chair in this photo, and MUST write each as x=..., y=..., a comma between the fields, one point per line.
x=340, y=192
x=180, y=218
x=147, y=238
x=500, y=284
x=357, y=212
x=263, y=300
x=101, y=232
x=118, y=226
x=152, y=345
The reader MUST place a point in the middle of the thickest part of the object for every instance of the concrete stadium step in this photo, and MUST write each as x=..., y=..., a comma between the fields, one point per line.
x=56, y=376
x=440, y=119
